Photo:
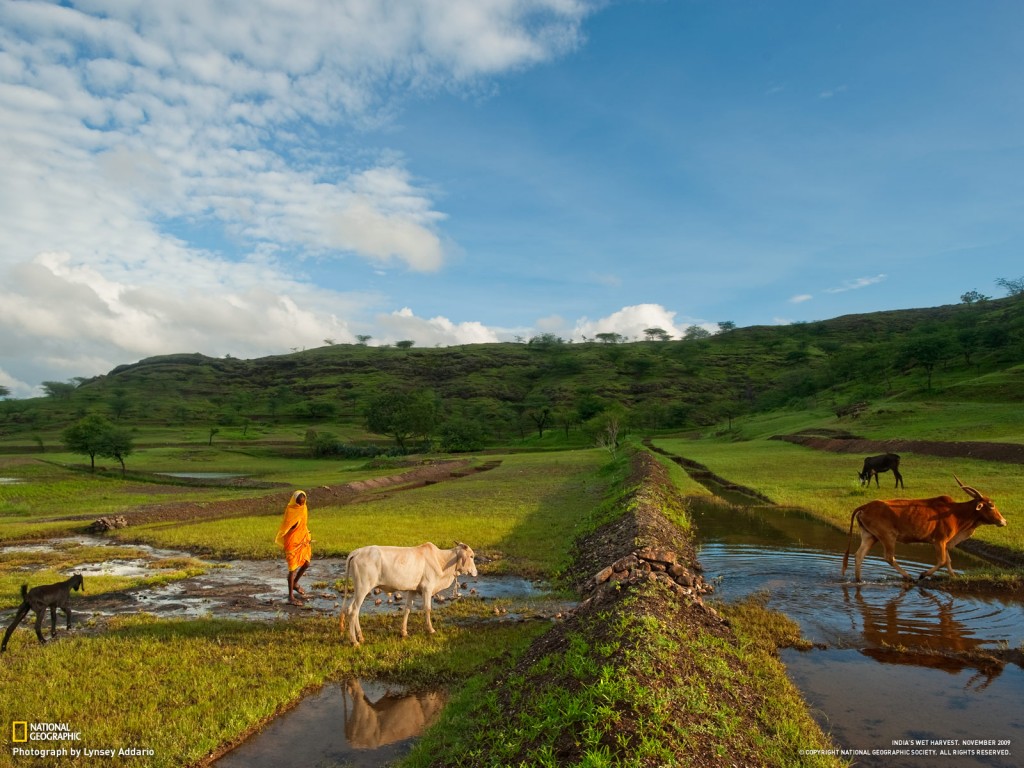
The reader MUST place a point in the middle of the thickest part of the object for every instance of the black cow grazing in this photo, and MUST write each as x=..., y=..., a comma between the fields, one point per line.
x=875, y=464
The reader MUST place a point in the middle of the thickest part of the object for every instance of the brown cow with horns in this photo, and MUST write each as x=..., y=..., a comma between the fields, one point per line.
x=941, y=521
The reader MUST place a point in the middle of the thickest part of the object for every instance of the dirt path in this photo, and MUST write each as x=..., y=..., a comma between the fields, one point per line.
x=1011, y=453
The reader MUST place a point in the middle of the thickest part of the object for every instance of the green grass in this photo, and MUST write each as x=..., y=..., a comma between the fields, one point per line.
x=892, y=418
x=826, y=484
x=640, y=681
x=48, y=492
x=524, y=513
x=186, y=688
x=627, y=691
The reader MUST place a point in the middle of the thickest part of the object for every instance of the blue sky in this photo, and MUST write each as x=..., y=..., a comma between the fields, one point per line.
x=248, y=178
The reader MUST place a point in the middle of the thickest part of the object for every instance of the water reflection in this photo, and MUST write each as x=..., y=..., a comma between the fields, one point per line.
x=902, y=661
x=393, y=717
x=380, y=724
x=935, y=637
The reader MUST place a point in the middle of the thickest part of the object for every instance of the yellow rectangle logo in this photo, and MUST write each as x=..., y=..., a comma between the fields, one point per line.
x=24, y=731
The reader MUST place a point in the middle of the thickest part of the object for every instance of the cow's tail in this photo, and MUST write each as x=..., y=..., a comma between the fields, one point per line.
x=24, y=593
x=849, y=539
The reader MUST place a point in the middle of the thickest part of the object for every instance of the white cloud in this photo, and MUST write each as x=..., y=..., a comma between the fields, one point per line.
x=801, y=298
x=127, y=127
x=437, y=331
x=631, y=322
x=855, y=284
x=74, y=318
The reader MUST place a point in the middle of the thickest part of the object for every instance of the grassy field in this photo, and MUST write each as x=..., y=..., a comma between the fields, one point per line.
x=524, y=513
x=826, y=484
x=186, y=688
x=207, y=682
x=41, y=497
x=894, y=418
x=638, y=679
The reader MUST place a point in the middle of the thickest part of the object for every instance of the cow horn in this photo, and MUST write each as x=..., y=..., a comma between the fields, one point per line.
x=972, y=492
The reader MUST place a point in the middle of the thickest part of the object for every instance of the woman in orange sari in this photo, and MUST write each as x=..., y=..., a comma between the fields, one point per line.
x=293, y=535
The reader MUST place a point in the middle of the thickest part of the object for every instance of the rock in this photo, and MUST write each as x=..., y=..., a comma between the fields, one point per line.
x=625, y=563
x=603, y=575
x=656, y=554
x=685, y=579
x=104, y=524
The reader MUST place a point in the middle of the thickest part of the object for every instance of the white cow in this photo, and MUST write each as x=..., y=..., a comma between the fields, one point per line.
x=424, y=569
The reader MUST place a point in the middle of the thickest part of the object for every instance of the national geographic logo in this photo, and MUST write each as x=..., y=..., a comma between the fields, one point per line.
x=23, y=731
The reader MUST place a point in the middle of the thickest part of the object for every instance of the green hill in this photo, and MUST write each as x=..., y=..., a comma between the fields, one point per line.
x=964, y=352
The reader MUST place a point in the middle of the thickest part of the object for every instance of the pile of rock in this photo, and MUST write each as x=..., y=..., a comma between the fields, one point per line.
x=649, y=564
x=104, y=524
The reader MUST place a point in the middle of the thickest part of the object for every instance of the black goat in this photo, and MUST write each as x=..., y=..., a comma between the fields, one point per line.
x=38, y=599
x=875, y=464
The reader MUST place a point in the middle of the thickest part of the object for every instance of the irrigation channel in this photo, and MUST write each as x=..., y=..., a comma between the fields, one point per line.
x=894, y=668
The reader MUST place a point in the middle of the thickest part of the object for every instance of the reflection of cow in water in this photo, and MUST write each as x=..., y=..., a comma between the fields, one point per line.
x=369, y=724
x=897, y=634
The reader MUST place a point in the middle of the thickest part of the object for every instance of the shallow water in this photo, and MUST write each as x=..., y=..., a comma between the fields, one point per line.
x=360, y=724
x=201, y=475
x=253, y=590
x=890, y=670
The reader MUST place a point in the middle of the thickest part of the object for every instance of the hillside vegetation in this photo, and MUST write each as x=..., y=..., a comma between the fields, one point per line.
x=966, y=353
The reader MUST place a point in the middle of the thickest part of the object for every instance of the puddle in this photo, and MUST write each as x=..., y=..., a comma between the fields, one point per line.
x=200, y=475
x=381, y=723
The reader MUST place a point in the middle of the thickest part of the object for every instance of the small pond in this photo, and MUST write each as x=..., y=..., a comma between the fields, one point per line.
x=358, y=724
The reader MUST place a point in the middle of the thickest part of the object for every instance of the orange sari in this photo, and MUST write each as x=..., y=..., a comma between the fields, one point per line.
x=293, y=533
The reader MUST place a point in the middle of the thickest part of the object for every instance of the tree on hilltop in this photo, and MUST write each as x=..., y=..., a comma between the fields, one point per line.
x=656, y=333
x=1012, y=287
x=59, y=390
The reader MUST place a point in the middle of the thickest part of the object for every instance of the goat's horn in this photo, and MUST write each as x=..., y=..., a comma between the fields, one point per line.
x=973, y=492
